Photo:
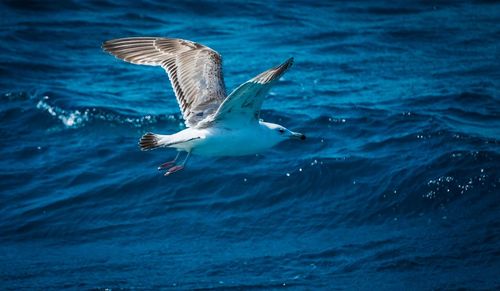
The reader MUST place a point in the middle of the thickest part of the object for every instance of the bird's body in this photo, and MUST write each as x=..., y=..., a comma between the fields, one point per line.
x=222, y=141
x=217, y=124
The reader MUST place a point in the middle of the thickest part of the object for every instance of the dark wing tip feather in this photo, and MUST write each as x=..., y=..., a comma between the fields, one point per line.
x=105, y=46
x=288, y=63
x=273, y=73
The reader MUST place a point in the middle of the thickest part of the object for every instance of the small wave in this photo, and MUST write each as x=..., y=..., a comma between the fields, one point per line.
x=383, y=11
x=80, y=117
x=447, y=181
x=68, y=118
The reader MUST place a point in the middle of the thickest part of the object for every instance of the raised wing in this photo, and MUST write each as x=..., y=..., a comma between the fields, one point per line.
x=244, y=102
x=194, y=70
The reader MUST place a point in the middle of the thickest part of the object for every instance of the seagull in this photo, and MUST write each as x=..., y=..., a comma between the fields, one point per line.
x=217, y=124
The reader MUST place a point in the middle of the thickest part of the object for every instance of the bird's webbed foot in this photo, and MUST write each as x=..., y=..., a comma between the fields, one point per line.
x=166, y=165
x=175, y=168
x=169, y=163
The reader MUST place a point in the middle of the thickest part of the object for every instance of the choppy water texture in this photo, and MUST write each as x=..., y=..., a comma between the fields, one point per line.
x=397, y=186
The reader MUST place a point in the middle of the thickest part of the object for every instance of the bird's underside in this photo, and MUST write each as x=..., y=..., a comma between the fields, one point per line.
x=195, y=72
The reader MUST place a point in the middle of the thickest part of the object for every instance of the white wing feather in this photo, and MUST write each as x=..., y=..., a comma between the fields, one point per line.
x=245, y=102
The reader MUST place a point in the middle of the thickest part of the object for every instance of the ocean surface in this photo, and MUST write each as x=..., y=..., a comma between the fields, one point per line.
x=396, y=188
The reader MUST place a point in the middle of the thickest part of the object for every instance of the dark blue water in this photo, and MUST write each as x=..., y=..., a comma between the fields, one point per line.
x=397, y=186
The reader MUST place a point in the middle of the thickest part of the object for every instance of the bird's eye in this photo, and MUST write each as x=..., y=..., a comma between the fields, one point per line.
x=281, y=130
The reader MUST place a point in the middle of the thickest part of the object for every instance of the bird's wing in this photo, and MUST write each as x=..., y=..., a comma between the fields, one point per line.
x=244, y=102
x=194, y=70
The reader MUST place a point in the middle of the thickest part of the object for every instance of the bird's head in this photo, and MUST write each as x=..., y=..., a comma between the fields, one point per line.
x=279, y=132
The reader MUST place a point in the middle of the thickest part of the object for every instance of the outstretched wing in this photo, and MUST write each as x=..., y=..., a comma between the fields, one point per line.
x=244, y=102
x=194, y=70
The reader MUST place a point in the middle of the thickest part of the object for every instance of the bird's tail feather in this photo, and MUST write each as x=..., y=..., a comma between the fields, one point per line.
x=149, y=141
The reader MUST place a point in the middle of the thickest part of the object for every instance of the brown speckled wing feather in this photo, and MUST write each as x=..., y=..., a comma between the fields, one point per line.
x=194, y=70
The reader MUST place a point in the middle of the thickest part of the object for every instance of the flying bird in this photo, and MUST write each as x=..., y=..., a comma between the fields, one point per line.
x=217, y=124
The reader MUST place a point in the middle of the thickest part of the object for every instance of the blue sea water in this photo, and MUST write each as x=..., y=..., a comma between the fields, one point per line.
x=396, y=187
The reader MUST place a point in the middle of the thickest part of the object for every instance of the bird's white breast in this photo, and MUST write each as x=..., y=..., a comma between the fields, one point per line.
x=218, y=141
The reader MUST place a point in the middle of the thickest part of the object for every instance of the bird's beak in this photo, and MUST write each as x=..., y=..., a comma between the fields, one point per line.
x=296, y=135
